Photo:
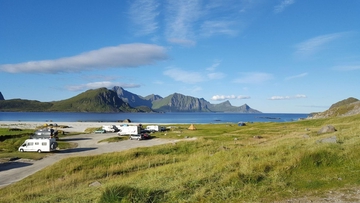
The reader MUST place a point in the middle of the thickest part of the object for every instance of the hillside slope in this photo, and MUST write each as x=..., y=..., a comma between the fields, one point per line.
x=346, y=107
x=98, y=100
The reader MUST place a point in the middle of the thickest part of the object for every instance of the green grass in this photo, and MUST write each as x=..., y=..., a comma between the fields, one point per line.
x=260, y=162
x=11, y=140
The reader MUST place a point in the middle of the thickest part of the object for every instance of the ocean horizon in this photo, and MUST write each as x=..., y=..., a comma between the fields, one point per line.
x=171, y=117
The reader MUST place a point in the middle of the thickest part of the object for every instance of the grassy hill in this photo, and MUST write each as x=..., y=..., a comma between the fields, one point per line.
x=23, y=105
x=346, y=107
x=97, y=100
x=259, y=162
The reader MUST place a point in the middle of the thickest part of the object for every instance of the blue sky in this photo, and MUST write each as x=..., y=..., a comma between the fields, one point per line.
x=277, y=56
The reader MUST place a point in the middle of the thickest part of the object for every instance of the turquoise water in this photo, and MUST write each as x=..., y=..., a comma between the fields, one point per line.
x=174, y=117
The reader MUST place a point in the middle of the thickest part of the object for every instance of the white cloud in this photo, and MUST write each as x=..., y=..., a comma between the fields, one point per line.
x=184, y=76
x=215, y=75
x=181, y=18
x=122, y=56
x=143, y=14
x=213, y=66
x=225, y=97
x=95, y=85
x=298, y=96
x=296, y=76
x=210, y=28
x=347, y=67
x=281, y=7
x=182, y=42
x=253, y=78
x=313, y=45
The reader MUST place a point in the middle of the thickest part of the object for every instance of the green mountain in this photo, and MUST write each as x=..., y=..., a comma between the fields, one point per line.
x=181, y=103
x=178, y=102
x=119, y=100
x=23, y=105
x=98, y=100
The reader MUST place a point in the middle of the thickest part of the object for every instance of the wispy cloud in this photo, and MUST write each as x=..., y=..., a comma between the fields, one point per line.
x=296, y=76
x=186, y=21
x=313, y=45
x=347, y=68
x=95, y=85
x=210, y=28
x=283, y=4
x=226, y=97
x=214, y=65
x=182, y=42
x=143, y=14
x=253, y=78
x=181, y=16
x=189, y=77
x=298, y=96
x=215, y=75
x=122, y=56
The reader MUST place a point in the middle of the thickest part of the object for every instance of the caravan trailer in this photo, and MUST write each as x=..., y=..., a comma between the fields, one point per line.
x=39, y=145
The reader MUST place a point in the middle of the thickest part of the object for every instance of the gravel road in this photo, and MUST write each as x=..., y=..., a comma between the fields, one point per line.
x=14, y=171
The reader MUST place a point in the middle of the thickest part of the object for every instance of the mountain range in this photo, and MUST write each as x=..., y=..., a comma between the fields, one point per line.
x=117, y=99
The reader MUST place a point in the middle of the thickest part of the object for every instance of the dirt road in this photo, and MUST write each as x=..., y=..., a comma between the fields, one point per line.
x=14, y=171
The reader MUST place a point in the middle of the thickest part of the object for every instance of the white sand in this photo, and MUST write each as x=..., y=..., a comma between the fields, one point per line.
x=72, y=126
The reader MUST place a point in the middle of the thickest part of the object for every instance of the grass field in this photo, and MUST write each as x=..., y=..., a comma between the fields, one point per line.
x=259, y=162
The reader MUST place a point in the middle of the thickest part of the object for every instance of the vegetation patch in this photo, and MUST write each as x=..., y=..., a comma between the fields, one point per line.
x=267, y=162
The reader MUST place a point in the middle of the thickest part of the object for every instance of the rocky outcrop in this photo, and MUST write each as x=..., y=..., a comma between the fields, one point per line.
x=327, y=129
x=133, y=100
x=1, y=97
x=178, y=102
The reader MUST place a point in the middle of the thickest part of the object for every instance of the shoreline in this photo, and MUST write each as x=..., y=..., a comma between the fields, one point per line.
x=72, y=126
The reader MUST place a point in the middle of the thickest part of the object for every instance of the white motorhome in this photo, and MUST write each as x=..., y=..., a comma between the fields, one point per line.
x=110, y=128
x=155, y=128
x=39, y=145
x=128, y=130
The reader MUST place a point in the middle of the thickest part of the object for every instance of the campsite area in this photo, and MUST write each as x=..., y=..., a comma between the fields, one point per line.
x=257, y=162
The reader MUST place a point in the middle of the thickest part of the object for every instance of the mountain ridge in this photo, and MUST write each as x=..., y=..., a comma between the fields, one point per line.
x=118, y=99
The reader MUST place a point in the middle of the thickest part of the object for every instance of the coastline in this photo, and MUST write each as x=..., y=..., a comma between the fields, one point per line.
x=71, y=126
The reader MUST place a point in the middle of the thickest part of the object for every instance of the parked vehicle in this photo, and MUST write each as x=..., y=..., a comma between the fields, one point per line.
x=142, y=136
x=110, y=128
x=44, y=133
x=128, y=130
x=100, y=131
x=155, y=128
x=39, y=145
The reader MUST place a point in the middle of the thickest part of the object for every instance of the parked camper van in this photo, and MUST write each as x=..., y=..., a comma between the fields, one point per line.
x=110, y=128
x=155, y=128
x=128, y=130
x=39, y=145
x=45, y=133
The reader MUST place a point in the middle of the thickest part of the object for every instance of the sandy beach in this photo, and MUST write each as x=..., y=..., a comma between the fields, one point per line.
x=71, y=126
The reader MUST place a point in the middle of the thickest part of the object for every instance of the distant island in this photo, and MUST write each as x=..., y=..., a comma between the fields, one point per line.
x=117, y=99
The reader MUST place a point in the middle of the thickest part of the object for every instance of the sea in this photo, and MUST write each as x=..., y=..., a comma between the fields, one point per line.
x=171, y=117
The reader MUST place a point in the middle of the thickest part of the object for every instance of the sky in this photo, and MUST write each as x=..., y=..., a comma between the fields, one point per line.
x=277, y=56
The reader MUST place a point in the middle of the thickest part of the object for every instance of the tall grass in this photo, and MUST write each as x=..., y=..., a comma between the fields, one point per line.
x=266, y=162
